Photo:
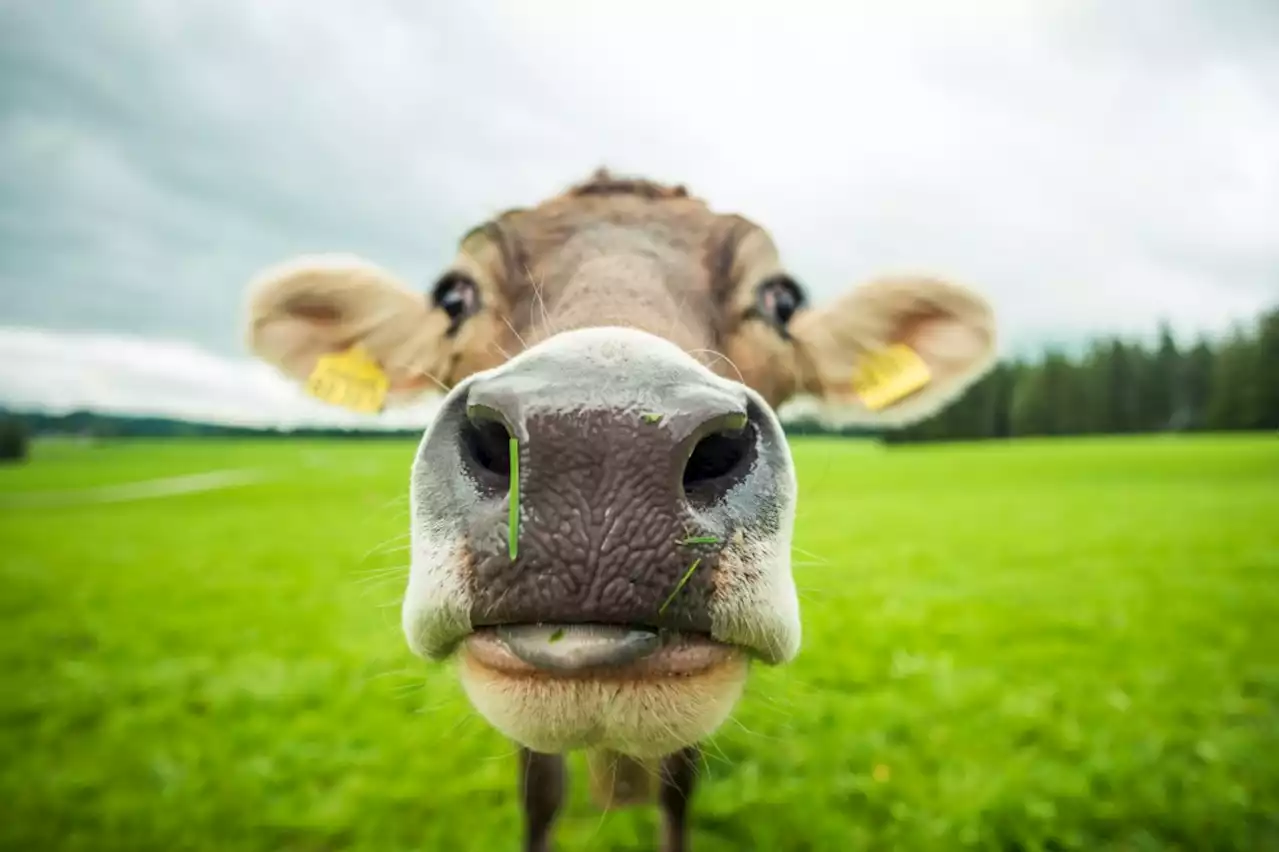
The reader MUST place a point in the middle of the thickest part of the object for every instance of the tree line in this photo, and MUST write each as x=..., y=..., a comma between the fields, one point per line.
x=1119, y=386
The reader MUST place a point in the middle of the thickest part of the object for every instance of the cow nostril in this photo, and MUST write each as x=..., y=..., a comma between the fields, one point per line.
x=717, y=457
x=486, y=444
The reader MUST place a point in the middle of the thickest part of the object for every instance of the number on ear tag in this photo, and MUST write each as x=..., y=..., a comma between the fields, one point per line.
x=351, y=379
x=882, y=378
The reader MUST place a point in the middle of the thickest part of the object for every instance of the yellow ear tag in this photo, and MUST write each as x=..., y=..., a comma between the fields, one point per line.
x=882, y=378
x=351, y=379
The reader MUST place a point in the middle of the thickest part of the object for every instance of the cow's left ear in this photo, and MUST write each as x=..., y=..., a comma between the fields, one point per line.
x=941, y=336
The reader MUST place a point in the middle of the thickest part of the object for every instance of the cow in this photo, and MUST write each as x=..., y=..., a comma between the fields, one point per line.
x=602, y=504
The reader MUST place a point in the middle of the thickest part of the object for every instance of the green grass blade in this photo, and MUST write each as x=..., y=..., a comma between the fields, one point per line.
x=513, y=510
x=680, y=585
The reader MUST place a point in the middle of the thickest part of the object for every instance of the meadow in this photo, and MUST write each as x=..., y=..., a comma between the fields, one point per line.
x=1034, y=645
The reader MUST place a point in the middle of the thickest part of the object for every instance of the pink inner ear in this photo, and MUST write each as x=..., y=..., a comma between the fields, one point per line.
x=942, y=338
x=314, y=312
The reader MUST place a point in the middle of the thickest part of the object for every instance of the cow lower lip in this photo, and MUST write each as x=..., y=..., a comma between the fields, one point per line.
x=576, y=647
x=594, y=651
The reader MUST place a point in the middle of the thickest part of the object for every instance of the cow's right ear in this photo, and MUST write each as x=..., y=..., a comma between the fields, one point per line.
x=316, y=305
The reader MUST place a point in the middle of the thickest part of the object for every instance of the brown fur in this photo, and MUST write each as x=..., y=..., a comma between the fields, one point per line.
x=603, y=182
x=619, y=781
x=637, y=253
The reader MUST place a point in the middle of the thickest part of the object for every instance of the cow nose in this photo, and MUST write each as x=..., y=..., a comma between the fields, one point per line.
x=606, y=498
x=485, y=443
x=717, y=458
x=705, y=432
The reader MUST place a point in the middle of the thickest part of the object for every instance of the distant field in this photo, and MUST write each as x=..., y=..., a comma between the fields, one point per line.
x=1025, y=646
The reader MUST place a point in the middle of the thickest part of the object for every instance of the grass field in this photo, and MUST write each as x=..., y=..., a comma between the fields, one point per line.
x=1028, y=646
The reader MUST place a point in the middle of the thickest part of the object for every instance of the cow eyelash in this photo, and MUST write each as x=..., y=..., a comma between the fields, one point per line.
x=458, y=296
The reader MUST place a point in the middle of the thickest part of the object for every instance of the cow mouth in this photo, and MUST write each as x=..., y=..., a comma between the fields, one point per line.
x=595, y=651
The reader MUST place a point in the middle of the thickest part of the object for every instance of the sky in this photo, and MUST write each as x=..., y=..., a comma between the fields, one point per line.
x=1092, y=166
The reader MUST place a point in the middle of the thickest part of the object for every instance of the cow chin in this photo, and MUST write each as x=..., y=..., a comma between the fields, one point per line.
x=644, y=716
x=650, y=707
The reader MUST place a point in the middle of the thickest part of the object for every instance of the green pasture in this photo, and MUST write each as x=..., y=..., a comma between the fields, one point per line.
x=1057, y=645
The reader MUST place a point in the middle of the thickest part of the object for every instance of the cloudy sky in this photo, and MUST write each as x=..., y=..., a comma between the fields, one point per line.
x=1094, y=166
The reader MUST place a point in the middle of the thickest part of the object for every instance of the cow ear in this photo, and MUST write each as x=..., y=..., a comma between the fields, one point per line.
x=318, y=305
x=939, y=336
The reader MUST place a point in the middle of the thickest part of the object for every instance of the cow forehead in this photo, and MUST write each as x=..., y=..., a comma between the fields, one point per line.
x=607, y=205
x=651, y=264
x=676, y=232
x=692, y=246
x=619, y=252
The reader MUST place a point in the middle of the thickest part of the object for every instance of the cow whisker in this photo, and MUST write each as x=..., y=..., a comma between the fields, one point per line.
x=519, y=336
x=722, y=356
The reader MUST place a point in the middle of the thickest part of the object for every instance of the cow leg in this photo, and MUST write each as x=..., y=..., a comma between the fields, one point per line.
x=679, y=776
x=543, y=780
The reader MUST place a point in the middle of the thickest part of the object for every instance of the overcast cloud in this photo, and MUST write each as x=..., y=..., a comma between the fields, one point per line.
x=1092, y=166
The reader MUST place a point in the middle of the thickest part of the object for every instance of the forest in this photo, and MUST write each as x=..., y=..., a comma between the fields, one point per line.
x=1118, y=386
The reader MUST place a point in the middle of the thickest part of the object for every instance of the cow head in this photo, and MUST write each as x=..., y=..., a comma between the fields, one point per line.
x=635, y=344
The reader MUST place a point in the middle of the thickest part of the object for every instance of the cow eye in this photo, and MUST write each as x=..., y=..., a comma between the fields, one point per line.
x=778, y=298
x=457, y=295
